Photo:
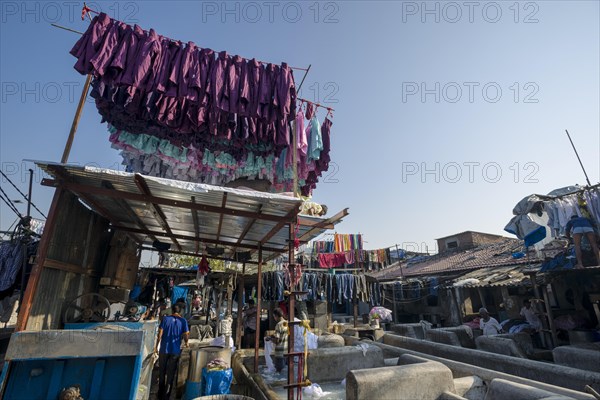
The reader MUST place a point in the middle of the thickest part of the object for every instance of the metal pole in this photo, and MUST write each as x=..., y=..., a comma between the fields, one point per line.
x=303, y=78
x=580, y=163
x=258, y=310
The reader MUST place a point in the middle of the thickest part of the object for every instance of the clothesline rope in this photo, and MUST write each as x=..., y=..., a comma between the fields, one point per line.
x=315, y=104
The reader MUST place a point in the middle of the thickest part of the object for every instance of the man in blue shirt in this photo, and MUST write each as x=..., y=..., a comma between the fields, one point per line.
x=582, y=226
x=170, y=332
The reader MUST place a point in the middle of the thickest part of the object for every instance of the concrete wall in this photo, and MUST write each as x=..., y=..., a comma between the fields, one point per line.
x=332, y=364
x=467, y=240
x=464, y=369
x=500, y=389
x=583, y=356
x=544, y=372
x=418, y=379
x=514, y=345
x=455, y=336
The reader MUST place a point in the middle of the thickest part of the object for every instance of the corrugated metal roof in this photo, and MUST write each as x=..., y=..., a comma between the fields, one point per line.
x=511, y=275
x=226, y=217
x=491, y=255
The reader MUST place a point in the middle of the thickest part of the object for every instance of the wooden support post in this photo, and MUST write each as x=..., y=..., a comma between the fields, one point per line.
x=395, y=316
x=536, y=292
x=258, y=310
x=218, y=311
x=229, y=312
x=291, y=305
x=481, y=297
x=456, y=305
x=550, y=318
x=240, y=315
x=355, y=304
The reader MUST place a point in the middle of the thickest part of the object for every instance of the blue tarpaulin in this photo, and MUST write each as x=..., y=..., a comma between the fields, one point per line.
x=216, y=382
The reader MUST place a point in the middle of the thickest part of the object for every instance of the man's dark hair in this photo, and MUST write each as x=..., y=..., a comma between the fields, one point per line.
x=278, y=312
x=176, y=308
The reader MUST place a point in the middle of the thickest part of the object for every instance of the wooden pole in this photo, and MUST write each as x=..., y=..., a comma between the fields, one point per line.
x=395, y=317
x=258, y=310
x=550, y=318
x=218, y=310
x=355, y=298
x=536, y=291
x=75, y=123
x=481, y=297
x=291, y=305
x=240, y=326
x=229, y=308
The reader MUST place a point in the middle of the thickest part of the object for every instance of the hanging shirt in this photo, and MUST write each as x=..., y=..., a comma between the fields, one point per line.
x=490, y=327
x=301, y=138
x=315, y=145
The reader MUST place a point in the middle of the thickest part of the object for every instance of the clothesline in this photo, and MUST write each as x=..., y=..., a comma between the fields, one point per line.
x=86, y=10
x=582, y=190
x=315, y=104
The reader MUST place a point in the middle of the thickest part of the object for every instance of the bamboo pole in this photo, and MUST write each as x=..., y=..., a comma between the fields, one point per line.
x=77, y=117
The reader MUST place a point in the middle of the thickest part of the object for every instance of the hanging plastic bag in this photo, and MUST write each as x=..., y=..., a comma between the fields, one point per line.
x=216, y=382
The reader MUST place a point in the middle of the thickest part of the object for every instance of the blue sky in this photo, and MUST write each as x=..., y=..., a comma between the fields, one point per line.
x=447, y=113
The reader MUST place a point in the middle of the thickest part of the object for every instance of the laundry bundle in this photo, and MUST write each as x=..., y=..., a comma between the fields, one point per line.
x=179, y=111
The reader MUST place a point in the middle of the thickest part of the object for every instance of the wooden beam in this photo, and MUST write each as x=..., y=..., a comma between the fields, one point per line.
x=158, y=212
x=62, y=172
x=245, y=232
x=196, y=225
x=303, y=221
x=76, y=187
x=187, y=253
x=63, y=266
x=223, y=203
x=328, y=221
x=192, y=238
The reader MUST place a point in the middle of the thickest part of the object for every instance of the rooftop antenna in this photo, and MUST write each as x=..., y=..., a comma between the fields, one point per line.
x=580, y=163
